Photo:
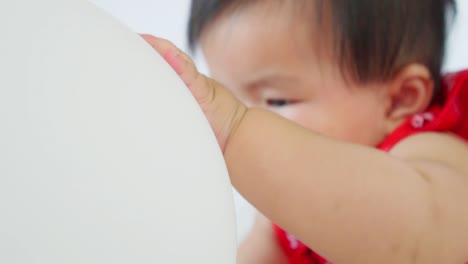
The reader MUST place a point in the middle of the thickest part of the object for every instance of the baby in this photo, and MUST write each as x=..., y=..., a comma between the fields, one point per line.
x=336, y=123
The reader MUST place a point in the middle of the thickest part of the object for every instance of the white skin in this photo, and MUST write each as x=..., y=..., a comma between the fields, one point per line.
x=320, y=176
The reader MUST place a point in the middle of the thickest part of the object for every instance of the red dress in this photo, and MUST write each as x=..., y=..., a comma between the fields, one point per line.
x=449, y=113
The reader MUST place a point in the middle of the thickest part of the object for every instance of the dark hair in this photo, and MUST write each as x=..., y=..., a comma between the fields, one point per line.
x=373, y=38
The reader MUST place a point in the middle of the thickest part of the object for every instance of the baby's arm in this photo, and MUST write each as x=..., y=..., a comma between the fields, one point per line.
x=261, y=246
x=352, y=204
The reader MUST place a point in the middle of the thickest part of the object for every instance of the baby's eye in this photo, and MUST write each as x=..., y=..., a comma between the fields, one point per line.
x=278, y=102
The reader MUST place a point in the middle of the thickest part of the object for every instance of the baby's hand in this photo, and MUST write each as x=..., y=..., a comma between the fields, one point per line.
x=221, y=108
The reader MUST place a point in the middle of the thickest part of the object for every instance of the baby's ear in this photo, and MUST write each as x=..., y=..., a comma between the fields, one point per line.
x=410, y=92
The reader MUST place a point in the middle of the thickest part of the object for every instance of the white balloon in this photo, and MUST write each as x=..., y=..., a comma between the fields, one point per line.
x=105, y=157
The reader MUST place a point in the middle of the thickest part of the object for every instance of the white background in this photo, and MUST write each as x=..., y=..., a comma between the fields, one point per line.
x=168, y=19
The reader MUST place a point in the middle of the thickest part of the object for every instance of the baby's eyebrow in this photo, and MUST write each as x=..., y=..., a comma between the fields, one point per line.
x=273, y=81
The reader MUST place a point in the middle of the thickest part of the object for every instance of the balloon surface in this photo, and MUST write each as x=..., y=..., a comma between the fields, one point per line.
x=105, y=156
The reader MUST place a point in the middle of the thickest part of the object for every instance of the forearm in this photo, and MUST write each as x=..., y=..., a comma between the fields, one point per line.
x=355, y=198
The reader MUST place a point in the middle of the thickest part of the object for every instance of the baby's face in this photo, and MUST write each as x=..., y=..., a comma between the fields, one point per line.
x=269, y=60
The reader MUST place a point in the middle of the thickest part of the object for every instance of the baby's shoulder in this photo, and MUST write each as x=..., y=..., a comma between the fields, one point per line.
x=441, y=148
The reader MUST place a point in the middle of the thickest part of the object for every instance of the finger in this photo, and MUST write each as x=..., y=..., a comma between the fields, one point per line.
x=200, y=86
x=158, y=44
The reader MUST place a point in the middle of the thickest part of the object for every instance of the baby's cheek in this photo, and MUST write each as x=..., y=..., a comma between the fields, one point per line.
x=333, y=125
x=293, y=113
x=362, y=130
x=311, y=118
